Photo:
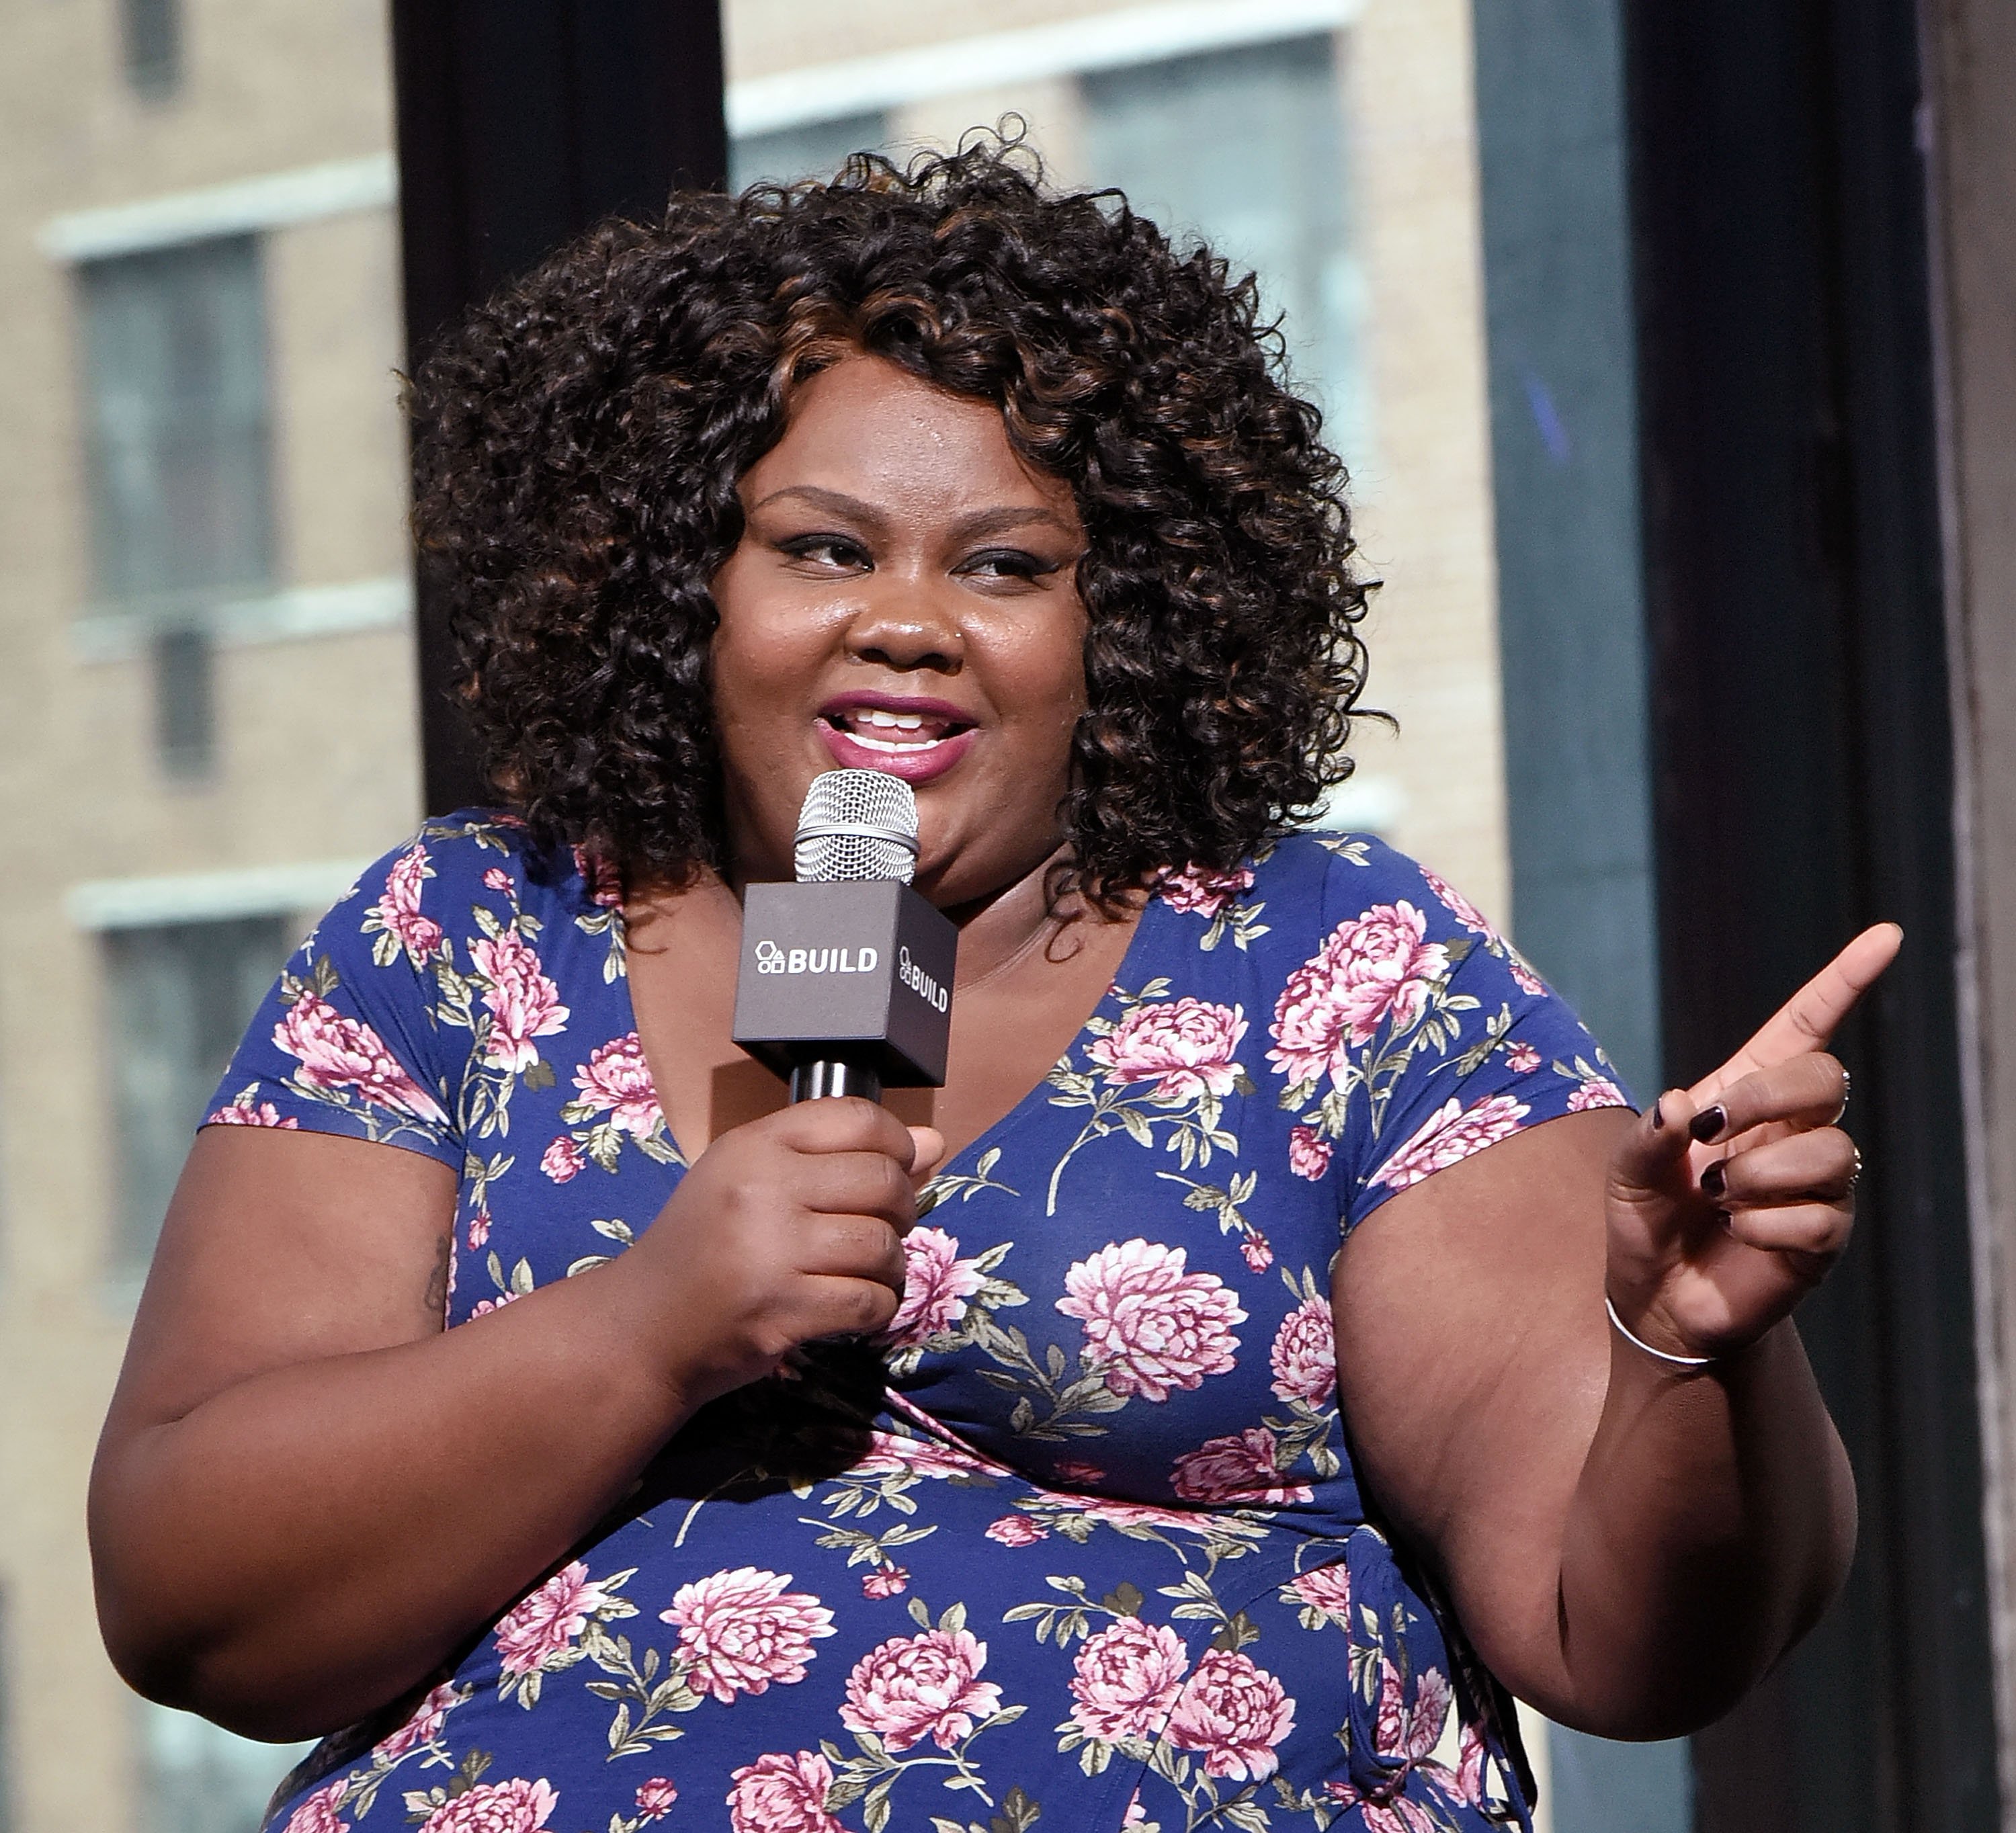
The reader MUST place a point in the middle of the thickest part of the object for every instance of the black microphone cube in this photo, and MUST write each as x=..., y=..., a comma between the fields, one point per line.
x=858, y=972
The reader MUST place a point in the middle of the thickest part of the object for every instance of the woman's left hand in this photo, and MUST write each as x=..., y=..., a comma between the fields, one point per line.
x=1729, y=1201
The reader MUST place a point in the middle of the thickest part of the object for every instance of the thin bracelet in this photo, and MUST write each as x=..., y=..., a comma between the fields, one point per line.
x=1639, y=1342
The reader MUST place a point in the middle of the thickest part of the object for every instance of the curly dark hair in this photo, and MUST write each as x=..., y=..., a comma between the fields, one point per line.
x=579, y=441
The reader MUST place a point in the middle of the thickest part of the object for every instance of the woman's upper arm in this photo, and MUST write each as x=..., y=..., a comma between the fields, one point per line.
x=1473, y=1356
x=283, y=1247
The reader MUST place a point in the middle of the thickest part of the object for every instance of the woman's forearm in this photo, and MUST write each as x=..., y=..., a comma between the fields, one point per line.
x=1713, y=1521
x=309, y=1543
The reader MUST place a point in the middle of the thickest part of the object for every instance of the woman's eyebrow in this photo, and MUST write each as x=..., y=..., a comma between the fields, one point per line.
x=981, y=522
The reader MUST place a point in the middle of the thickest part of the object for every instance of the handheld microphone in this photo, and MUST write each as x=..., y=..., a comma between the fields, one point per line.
x=844, y=984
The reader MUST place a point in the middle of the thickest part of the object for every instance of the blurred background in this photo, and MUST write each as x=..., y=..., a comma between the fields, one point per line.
x=1674, y=359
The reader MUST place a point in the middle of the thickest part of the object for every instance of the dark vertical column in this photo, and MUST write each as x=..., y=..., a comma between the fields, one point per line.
x=1803, y=788
x=521, y=123
x=1564, y=475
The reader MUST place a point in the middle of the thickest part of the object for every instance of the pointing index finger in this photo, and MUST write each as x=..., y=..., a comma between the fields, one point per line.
x=1807, y=1021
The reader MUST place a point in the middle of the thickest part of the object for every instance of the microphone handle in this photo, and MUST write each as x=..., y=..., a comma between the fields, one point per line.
x=827, y=1076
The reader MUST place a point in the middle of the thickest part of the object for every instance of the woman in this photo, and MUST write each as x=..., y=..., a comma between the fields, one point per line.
x=736, y=1494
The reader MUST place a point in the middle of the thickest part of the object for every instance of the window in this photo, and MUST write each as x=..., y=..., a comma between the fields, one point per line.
x=200, y=1779
x=813, y=149
x=178, y=996
x=150, y=44
x=1245, y=148
x=177, y=430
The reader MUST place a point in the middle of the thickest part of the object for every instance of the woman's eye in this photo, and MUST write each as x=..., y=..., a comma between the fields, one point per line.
x=825, y=550
x=1001, y=563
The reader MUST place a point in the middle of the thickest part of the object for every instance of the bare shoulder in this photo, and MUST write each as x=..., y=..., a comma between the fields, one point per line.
x=280, y=1246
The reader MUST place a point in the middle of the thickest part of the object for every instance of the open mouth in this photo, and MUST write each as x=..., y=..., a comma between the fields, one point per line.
x=906, y=734
x=917, y=740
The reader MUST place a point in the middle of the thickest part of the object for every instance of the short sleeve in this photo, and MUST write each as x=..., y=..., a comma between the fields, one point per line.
x=349, y=1039
x=1415, y=1034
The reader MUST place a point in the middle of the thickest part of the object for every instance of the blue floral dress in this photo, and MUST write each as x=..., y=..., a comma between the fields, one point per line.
x=1081, y=1539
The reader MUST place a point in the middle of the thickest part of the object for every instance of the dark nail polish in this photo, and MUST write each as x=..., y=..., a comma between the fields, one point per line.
x=1658, y=1117
x=1708, y=1123
x=1715, y=1180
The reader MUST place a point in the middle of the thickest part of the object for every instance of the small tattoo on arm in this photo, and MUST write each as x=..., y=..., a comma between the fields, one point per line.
x=436, y=1298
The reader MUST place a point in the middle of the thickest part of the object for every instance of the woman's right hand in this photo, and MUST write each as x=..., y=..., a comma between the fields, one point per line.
x=786, y=1228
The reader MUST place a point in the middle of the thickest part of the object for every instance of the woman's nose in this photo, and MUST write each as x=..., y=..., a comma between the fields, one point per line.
x=903, y=627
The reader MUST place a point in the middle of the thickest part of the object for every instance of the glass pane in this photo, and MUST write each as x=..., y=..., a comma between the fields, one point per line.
x=813, y=150
x=178, y=997
x=1244, y=150
x=175, y=381
x=201, y=1779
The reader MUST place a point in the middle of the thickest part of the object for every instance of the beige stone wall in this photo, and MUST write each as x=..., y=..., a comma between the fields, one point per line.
x=318, y=752
x=317, y=757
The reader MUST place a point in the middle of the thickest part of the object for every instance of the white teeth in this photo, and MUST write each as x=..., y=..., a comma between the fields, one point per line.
x=896, y=722
x=891, y=744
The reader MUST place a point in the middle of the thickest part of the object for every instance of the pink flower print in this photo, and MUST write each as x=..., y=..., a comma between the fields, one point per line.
x=886, y=1581
x=524, y=1002
x=1522, y=1059
x=1305, y=1355
x=1198, y=890
x=1448, y=1135
x=1185, y=1047
x=479, y=1230
x=655, y=1798
x=1136, y=1815
x=1151, y=1326
x=739, y=1630
x=912, y=1687
x=423, y=1727
x=242, y=1110
x=515, y=1807
x=1395, y=1815
x=603, y=882
x=496, y=878
x=616, y=1080
x=1325, y=1588
x=336, y=1053
x=1598, y=1091
x=1125, y=1680
x=562, y=1160
x=396, y=912
x=1309, y=1153
x=899, y=1454
x=1072, y=1470
x=936, y=1286
x=1528, y=981
x=1470, y=1765
x=483, y=1307
x=1255, y=1252
x=1140, y=1514
x=782, y=1795
x=1240, y=1467
x=1458, y=906
x=546, y=1622
x=1233, y=1714
x=1410, y=1732
x=1016, y=1530
x=317, y=1813
x=1374, y=968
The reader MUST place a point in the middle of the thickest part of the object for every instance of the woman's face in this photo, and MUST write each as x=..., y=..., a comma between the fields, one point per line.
x=903, y=598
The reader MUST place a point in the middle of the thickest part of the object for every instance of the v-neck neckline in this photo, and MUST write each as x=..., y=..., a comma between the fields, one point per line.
x=989, y=1135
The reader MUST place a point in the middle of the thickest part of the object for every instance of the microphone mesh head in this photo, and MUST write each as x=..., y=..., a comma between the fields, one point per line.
x=856, y=824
